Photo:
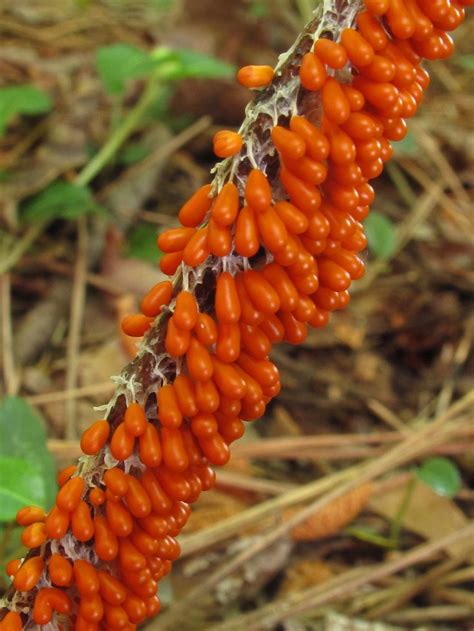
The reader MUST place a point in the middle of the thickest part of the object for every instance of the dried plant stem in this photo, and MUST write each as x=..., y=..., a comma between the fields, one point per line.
x=232, y=526
x=75, y=325
x=338, y=588
x=260, y=449
x=424, y=206
x=73, y=393
x=412, y=447
x=409, y=589
x=440, y=613
x=10, y=376
x=432, y=149
x=22, y=245
x=160, y=153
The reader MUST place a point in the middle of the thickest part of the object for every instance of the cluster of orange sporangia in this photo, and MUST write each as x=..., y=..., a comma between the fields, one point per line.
x=283, y=262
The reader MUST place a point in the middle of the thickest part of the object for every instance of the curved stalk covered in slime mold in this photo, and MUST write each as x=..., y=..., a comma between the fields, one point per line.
x=266, y=250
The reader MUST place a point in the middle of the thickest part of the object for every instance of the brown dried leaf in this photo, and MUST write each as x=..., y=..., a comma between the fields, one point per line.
x=428, y=514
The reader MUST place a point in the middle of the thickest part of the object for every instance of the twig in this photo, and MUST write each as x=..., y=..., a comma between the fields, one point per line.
x=409, y=589
x=74, y=338
x=233, y=525
x=412, y=447
x=338, y=589
x=430, y=614
x=386, y=415
x=464, y=575
x=456, y=596
x=22, y=245
x=405, y=233
x=428, y=142
x=461, y=355
x=166, y=149
x=250, y=483
x=420, y=176
x=342, y=453
x=73, y=393
x=11, y=381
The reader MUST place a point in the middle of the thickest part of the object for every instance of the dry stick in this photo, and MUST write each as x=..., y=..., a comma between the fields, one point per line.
x=461, y=354
x=71, y=447
x=449, y=175
x=430, y=614
x=233, y=525
x=250, y=483
x=414, y=445
x=407, y=590
x=455, y=595
x=426, y=182
x=464, y=575
x=73, y=393
x=426, y=204
x=10, y=376
x=386, y=415
x=22, y=245
x=336, y=589
x=169, y=147
x=75, y=326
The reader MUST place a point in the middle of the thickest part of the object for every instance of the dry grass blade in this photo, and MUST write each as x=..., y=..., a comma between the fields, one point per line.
x=77, y=312
x=412, y=447
x=10, y=376
x=342, y=586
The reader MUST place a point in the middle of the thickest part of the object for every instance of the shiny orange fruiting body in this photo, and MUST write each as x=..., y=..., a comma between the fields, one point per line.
x=278, y=248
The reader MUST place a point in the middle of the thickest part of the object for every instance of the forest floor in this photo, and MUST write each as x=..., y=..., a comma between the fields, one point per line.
x=372, y=434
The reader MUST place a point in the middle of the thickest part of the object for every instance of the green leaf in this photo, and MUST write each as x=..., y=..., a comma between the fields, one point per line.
x=118, y=63
x=59, y=200
x=21, y=99
x=133, y=153
x=188, y=64
x=22, y=436
x=10, y=538
x=380, y=233
x=441, y=474
x=21, y=484
x=142, y=244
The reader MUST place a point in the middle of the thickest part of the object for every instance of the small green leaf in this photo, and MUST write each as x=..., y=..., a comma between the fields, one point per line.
x=21, y=99
x=187, y=64
x=59, y=200
x=10, y=538
x=441, y=474
x=22, y=436
x=21, y=484
x=133, y=153
x=142, y=244
x=380, y=233
x=118, y=63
